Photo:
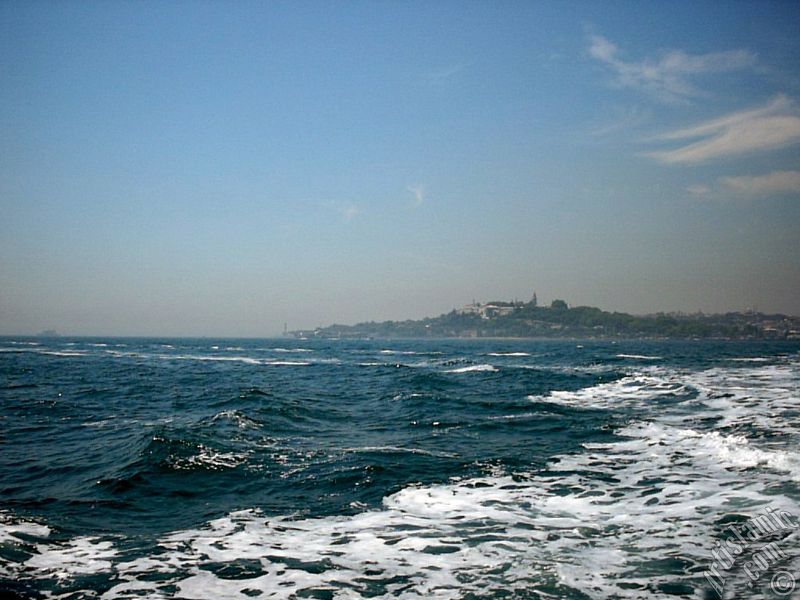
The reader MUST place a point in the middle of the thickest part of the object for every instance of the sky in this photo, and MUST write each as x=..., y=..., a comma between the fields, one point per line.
x=223, y=168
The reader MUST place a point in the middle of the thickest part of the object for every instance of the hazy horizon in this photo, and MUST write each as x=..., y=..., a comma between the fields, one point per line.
x=217, y=170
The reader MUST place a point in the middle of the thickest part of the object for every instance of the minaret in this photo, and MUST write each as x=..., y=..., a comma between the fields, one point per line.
x=534, y=302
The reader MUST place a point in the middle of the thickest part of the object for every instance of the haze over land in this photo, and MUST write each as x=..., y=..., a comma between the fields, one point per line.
x=225, y=168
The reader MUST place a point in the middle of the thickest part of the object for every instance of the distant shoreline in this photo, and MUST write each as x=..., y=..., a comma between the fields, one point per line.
x=519, y=320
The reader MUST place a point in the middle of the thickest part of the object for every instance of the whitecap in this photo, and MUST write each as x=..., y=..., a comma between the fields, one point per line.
x=639, y=389
x=11, y=527
x=80, y=556
x=211, y=459
x=474, y=368
x=213, y=358
x=292, y=350
x=755, y=359
x=398, y=449
x=286, y=363
x=599, y=523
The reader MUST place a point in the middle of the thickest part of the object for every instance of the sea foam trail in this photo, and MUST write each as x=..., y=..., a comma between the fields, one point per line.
x=600, y=523
x=635, y=390
x=481, y=536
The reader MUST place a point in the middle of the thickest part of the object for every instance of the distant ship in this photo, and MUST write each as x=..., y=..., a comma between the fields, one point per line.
x=48, y=333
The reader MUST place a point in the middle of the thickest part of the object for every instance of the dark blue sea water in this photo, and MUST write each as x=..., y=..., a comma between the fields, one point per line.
x=202, y=468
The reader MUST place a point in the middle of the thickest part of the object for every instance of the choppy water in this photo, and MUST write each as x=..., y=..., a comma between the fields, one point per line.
x=407, y=469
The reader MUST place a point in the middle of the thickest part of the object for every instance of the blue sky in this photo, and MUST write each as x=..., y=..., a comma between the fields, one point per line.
x=220, y=168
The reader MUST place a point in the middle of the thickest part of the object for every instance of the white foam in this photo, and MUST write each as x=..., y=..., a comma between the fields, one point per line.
x=292, y=350
x=287, y=363
x=44, y=352
x=11, y=527
x=398, y=449
x=212, y=358
x=639, y=356
x=508, y=354
x=734, y=451
x=480, y=537
x=80, y=556
x=639, y=389
x=474, y=369
x=765, y=397
x=211, y=459
x=242, y=421
x=411, y=352
x=600, y=518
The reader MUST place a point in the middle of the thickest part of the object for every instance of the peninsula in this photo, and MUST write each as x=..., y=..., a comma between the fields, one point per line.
x=558, y=320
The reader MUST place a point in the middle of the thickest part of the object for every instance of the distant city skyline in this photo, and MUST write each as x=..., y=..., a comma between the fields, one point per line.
x=220, y=169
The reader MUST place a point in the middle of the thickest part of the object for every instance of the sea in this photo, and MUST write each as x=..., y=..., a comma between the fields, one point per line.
x=445, y=469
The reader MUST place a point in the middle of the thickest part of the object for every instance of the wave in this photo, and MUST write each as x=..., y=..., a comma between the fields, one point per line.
x=734, y=389
x=44, y=352
x=411, y=352
x=243, y=359
x=286, y=363
x=240, y=419
x=734, y=451
x=639, y=357
x=292, y=350
x=481, y=536
x=633, y=516
x=212, y=358
x=508, y=354
x=474, y=369
x=178, y=451
x=630, y=391
x=11, y=528
x=399, y=450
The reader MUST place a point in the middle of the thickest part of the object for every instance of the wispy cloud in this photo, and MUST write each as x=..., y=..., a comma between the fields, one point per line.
x=777, y=182
x=698, y=189
x=627, y=118
x=418, y=191
x=775, y=125
x=443, y=74
x=667, y=77
x=349, y=212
